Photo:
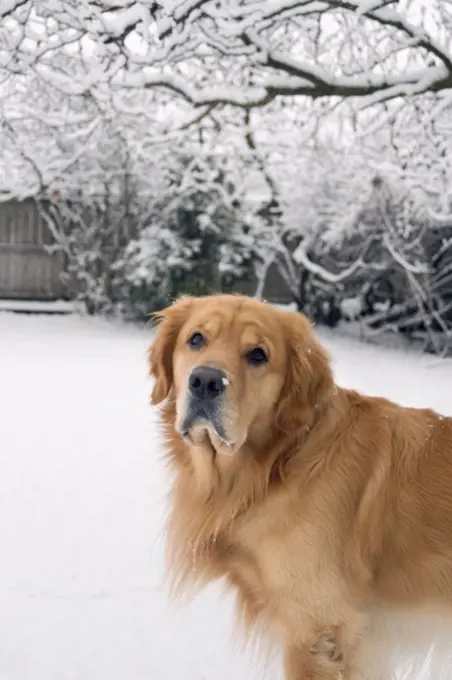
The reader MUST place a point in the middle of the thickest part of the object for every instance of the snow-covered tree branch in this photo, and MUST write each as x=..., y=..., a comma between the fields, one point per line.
x=244, y=52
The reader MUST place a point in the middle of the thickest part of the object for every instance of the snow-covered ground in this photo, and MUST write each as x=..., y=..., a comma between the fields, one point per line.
x=82, y=504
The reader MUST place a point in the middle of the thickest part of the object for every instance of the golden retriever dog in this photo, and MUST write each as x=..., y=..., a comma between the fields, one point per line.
x=318, y=505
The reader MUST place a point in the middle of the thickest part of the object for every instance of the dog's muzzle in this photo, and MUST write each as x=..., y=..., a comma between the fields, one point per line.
x=206, y=388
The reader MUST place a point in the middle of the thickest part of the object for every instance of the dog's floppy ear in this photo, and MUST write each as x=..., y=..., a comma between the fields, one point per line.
x=160, y=354
x=309, y=377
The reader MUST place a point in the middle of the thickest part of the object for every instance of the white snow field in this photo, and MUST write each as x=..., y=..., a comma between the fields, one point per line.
x=82, y=505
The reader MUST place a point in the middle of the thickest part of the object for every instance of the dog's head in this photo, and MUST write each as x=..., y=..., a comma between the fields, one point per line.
x=237, y=370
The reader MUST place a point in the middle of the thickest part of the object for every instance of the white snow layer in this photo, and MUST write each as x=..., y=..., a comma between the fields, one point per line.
x=82, y=497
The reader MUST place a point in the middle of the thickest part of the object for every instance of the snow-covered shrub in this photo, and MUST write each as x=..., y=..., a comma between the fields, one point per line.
x=388, y=257
x=196, y=244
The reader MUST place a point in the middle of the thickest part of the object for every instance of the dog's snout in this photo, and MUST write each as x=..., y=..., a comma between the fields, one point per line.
x=207, y=383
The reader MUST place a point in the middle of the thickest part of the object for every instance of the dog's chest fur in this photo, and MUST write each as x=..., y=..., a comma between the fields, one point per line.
x=284, y=571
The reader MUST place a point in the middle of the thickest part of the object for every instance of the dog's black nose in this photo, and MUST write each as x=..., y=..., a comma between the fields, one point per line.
x=207, y=383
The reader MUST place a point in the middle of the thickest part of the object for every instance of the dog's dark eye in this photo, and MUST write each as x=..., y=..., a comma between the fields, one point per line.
x=257, y=356
x=196, y=341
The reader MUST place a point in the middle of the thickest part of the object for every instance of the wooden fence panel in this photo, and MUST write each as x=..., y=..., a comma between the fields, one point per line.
x=27, y=269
